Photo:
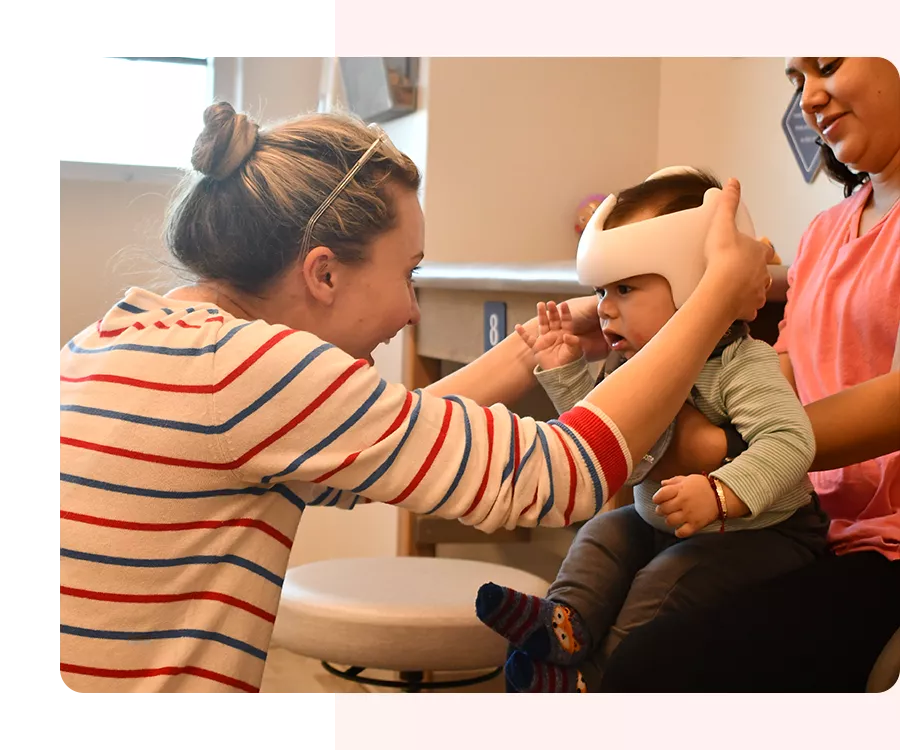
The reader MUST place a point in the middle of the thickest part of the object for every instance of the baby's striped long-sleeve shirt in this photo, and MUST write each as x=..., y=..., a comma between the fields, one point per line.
x=192, y=441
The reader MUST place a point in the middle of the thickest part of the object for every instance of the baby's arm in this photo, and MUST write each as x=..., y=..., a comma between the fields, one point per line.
x=562, y=368
x=764, y=409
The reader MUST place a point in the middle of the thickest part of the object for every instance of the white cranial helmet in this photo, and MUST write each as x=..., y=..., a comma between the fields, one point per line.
x=669, y=245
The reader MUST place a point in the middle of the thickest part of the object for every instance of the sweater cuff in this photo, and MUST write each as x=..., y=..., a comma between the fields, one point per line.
x=566, y=385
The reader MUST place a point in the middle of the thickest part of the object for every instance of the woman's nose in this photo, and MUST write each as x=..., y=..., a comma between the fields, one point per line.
x=415, y=315
x=814, y=96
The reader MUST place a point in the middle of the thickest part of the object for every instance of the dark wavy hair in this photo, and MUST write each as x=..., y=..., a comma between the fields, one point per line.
x=839, y=172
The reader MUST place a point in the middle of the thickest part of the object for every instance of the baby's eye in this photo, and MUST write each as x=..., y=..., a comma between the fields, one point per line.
x=601, y=293
x=623, y=289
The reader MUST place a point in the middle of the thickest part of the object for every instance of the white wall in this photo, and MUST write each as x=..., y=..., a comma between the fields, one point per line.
x=725, y=114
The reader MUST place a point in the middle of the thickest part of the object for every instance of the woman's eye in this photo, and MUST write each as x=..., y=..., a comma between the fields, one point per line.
x=413, y=273
x=827, y=68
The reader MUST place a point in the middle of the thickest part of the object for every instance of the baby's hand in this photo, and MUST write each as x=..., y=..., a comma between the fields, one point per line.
x=555, y=345
x=688, y=503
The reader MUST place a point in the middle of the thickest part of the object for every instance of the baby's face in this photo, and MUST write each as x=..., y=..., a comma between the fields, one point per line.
x=633, y=310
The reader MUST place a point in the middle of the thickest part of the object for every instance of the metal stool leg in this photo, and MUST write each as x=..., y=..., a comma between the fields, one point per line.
x=411, y=682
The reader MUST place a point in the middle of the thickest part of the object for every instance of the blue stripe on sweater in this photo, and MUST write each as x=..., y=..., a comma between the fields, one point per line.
x=595, y=478
x=463, y=461
x=204, y=428
x=388, y=462
x=153, y=635
x=334, y=435
x=507, y=470
x=546, y=449
x=125, y=489
x=131, y=562
x=128, y=307
x=168, y=350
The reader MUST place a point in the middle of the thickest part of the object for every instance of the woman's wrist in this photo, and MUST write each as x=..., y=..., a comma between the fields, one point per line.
x=719, y=289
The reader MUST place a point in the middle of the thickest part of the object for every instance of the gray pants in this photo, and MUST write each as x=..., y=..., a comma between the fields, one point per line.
x=621, y=573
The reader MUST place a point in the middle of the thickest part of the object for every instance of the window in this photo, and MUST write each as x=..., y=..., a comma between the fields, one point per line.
x=133, y=110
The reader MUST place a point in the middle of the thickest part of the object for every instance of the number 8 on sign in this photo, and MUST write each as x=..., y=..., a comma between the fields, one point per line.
x=494, y=323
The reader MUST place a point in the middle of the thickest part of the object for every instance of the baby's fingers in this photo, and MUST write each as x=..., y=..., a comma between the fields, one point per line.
x=553, y=316
x=528, y=338
x=664, y=494
x=543, y=323
x=565, y=316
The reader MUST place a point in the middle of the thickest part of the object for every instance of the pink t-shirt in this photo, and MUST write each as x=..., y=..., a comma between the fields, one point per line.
x=843, y=307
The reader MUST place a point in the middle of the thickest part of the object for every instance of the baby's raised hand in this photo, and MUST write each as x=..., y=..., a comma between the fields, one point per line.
x=555, y=345
x=688, y=504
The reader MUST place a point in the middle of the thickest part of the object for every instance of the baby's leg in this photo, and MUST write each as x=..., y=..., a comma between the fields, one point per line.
x=583, y=602
x=699, y=570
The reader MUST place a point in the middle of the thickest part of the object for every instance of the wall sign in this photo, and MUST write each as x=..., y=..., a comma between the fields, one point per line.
x=802, y=139
x=494, y=324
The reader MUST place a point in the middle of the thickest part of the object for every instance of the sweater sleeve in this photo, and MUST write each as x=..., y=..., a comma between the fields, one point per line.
x=763, y=408
x=566, y=385
x=303, y=411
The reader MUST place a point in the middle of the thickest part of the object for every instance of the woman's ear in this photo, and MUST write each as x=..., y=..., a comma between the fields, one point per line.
x=318, y=268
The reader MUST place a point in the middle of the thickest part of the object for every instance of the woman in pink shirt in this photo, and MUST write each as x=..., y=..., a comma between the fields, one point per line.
x=822, y=627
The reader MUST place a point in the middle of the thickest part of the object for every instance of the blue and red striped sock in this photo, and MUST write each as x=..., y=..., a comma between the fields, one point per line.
x=526, y=675
x=545, y=630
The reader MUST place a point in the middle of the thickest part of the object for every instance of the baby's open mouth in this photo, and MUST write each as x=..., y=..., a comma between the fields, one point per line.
x=613, y=339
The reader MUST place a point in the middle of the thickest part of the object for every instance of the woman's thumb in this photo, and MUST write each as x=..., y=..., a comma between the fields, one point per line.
x=723, y=219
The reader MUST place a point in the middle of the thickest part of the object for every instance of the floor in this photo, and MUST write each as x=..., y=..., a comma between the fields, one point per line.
x=287, y=672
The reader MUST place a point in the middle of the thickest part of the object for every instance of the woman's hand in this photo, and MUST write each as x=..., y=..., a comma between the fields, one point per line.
x=737, y=262
x=586, y=326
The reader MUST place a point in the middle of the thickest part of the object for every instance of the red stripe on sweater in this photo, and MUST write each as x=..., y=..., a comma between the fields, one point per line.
x=404, y=410
x=230, y=465
x=103, y=596
x=489, y=417
x=603, y=443
x=435, y=449
x=137, y=673
x=573, y=476
x=187, y=526
x=170, y=387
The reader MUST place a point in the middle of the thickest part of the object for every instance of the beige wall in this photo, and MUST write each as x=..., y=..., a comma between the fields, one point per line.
x=515, y=144
x=725, y=115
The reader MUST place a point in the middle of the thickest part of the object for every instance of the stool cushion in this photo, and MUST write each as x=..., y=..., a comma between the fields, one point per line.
x=397, y=613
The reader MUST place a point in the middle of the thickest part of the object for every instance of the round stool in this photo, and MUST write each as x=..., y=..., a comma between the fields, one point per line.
x=405, y=614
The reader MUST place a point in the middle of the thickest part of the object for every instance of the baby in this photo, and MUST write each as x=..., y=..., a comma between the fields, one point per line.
x=665, y=552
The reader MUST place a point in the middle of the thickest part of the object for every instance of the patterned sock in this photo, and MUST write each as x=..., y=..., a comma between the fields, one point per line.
x=544, y=629
x=529, y=676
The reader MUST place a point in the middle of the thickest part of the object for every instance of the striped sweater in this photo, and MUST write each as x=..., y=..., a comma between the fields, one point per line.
x=744, y=386
x=192, y=441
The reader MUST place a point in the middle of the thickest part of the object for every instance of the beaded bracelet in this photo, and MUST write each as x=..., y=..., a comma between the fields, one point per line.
x=719, y=492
